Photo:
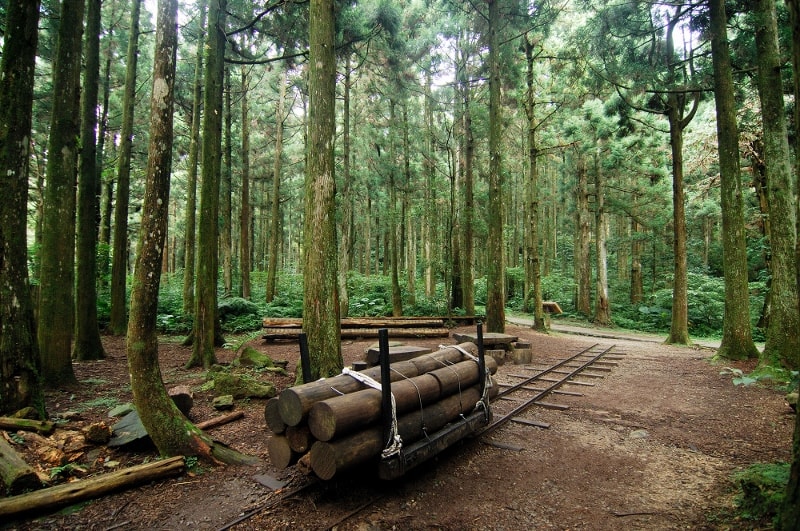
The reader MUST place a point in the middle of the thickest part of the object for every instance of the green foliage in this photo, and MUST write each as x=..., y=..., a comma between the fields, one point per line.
x=761, y=490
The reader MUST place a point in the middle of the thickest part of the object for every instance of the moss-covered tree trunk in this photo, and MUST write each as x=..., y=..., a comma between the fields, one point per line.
x=20, y=384
x=737, y=338
x=320, y=294
x=205, y=330
x=495, y=278
x=171, y=432
x=191, y=171
x=392, y=229
x=56, y=288
x=782, y=341
x=87, y=332
x=119, y=266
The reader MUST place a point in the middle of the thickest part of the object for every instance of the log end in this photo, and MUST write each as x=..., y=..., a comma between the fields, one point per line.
x=280, y=453
x=290, y=407
x=322, y=422
x=323, y=460
x=272, y=416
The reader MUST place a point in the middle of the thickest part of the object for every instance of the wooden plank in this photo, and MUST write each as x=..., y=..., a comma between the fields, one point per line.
x=528, y=422
x=550, y=405
x=279, y=333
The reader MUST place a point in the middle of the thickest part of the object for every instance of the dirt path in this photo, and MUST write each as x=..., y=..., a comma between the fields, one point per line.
x=650, y=446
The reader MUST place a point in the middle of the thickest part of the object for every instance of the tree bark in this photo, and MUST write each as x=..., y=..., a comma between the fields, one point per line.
x=191, y=170
x=782, y=342
x=206, y=328
x=602, y=310
x=394, y=256
x=737, y=338
x=226, y=189
x=346, y=237
x=245, y=218
x=583, y=271
x=119, y=266
x=56, y=289
x=320, y=289
x=275, y=213
x=87, y=331
x=495, y=278
x=20, y=365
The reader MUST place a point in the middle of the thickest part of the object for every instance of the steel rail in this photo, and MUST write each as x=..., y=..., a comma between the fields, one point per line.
x=544, y=392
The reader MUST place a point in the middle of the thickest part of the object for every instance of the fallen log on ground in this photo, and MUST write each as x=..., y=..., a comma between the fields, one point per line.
x=45, y=427
x=17, y=475
x=337, y=416
x=70, y=493
x=219, y=421
x=294, y=403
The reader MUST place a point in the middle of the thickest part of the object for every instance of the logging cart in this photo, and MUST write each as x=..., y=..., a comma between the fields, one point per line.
x=394, y=416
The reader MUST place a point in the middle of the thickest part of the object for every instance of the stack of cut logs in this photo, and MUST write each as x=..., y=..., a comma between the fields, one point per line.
x=333, y=424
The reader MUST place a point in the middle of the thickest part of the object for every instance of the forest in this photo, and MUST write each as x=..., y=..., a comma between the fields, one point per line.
x=226, y=160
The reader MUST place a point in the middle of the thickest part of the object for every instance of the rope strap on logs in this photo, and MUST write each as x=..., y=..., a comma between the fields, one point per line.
x=395, y=443
x=483, y=403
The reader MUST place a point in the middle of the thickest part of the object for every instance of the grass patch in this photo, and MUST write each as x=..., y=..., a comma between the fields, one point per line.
x=761, y=490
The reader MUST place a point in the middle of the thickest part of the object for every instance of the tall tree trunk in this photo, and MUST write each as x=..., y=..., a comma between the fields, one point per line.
x=583, y=272
x=20, y=365
x=226, y=189
x=245, y=216
x=104, y=185
x=119, y=265
x=275, y=214
x=782, y=341
x=430, y=199
x=87, y=332
x=467, y=215
x=206, y=330
x=533, y=276
x=495, y=278
x=191, y=170
x=602, y=310
x=394, y=258
x=346, y=238
x=791, y=500
x=171, y=432
x=56, y=303
x=321, y=296
x=737, y=338
x=410, y=239
x=637, y=248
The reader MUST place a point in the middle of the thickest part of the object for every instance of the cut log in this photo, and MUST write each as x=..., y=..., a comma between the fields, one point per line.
x=295, y=402
x=40, y=426
x=396, y=353
x=273, y=417
x=300, y=438
x=220, y=420
x=280, y=453
x=85, y=489
x=340, y=415
x=362, y=322
x=16, y=474
x=328, y=458
x=183, y=397
x=490, y=339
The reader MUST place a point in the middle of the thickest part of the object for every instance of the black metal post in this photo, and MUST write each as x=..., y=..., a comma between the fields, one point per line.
x=305, y=358
x=481, y=359
x=386, y=386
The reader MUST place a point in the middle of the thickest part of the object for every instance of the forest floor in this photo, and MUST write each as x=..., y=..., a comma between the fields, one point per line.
x=651, y=446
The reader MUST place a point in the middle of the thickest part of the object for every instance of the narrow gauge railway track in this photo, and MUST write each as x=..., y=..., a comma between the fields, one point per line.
x=555, y=376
